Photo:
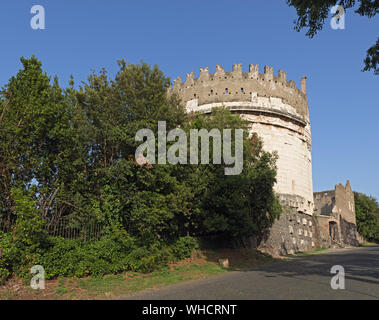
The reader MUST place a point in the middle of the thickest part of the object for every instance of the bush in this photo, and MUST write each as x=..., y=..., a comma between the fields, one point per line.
x=112, y=254
x=64, y=258
x=184, y=247
x=28, y=240
x=75, y=258
x=117, y=251
x=16, y=259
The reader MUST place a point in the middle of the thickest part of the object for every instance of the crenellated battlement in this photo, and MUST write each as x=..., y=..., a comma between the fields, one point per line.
x=223, y=86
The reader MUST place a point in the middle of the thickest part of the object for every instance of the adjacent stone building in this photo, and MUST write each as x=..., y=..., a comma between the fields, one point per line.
x=335, y=212
x=278, y=112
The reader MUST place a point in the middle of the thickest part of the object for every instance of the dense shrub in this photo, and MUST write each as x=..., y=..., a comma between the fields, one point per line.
x=24, y=246
x=110, y=255
x=184, y=247
x=16, y=259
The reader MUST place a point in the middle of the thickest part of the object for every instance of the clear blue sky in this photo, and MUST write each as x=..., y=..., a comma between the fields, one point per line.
x=184, y=35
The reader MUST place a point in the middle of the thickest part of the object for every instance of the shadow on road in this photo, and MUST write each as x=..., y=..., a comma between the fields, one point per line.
x=360, y=264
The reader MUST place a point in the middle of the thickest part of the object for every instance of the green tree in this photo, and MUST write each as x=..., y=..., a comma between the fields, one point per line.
x=312, y=14
x=33, y=127
x=236, y=206
x=367, y=214
x=118, y=189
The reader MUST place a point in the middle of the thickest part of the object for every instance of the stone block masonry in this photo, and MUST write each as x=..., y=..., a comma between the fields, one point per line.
x=293, y=232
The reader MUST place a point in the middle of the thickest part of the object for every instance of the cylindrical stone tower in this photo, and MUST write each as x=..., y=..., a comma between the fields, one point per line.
x=276, y=110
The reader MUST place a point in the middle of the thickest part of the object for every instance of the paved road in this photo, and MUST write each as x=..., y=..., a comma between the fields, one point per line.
x=300, y=278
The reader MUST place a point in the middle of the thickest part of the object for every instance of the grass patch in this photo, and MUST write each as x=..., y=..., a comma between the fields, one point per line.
x=368, y=244
x=114, y=285
x=61, y=289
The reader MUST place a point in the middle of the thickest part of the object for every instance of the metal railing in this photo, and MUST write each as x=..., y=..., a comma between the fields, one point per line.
x=66, y=228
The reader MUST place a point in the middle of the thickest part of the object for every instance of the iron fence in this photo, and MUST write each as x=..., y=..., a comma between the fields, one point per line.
x=66, y=228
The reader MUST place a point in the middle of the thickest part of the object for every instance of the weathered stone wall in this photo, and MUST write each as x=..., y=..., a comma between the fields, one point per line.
x=296, y=231
x=293, y=232
x=324, y=202
x=345, y=202
x=336, y=207
x=349, y=233
x=323, y=229
x=336, y=203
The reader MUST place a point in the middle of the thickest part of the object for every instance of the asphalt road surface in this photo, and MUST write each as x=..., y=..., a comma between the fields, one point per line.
x=298, y=279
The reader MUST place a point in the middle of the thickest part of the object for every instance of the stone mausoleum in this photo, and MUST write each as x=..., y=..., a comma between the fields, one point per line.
x=278, y=112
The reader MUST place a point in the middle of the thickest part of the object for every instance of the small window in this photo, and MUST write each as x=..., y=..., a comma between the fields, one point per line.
x=242, y=91
x=226, y=91
x=212, y=92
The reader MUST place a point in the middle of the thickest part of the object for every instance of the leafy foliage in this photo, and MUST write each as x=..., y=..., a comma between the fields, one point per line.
x=367, y=214
x=74, y=258
x=372, y=58
x=28, y=231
